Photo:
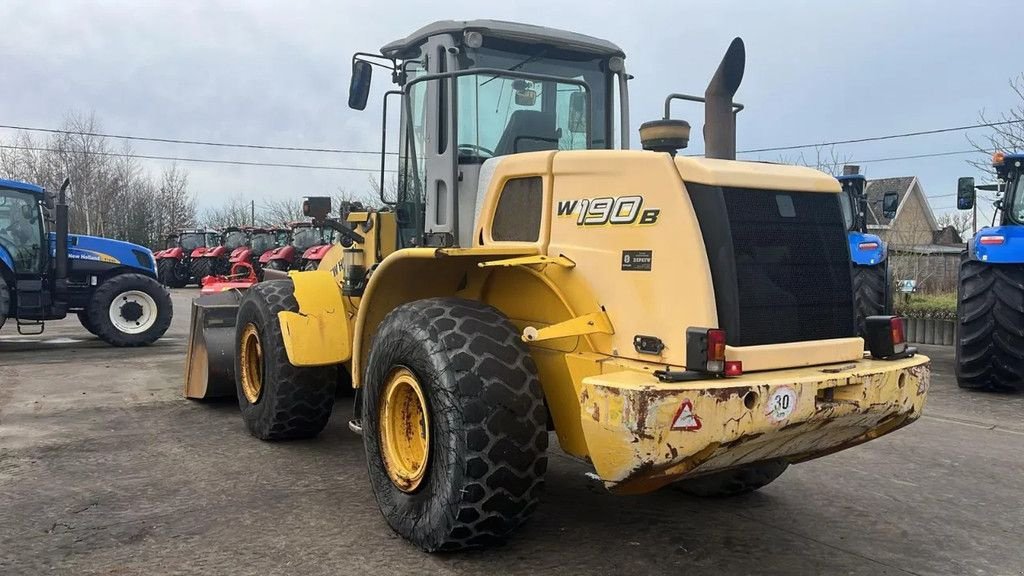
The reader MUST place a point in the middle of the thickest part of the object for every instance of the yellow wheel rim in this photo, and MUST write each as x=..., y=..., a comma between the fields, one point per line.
x=404, y=430
x=251, y=362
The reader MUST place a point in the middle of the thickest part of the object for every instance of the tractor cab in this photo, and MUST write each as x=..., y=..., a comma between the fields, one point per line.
x=189, y=240
x=473, y=92
x=306, y=235
x=1003, y=242
x=865, y=249
x=262, y=240
x=22, y=231
x=233, y=238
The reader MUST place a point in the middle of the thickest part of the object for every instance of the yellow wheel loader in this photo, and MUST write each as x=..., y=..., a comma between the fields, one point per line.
x=676, y=321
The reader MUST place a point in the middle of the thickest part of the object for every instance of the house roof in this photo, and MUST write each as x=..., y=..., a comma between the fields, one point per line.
x=877, y=189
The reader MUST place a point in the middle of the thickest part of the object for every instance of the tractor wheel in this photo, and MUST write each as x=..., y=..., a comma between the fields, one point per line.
x=278, y=265
x=311, y=265
x=278, y=401
x=734, y=481
x=165, y=271
x=178, y=275
x=870, y=293
x=83, y=317
x=5, y=301
x=130, y=310
x=201, y=268
x=990, y=326
x=454, y=424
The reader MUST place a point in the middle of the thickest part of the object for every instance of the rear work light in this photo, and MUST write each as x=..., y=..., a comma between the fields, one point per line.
x=991, y=240
x=886, y=337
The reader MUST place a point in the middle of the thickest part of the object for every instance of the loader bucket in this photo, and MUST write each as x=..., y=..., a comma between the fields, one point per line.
x=210, y=364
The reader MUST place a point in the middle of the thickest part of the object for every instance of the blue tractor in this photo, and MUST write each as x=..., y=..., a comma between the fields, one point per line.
x=48, y=274
x=990, y=300
x=871, y=292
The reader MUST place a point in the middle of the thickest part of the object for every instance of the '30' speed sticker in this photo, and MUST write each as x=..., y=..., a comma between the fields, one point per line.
x=781, y=404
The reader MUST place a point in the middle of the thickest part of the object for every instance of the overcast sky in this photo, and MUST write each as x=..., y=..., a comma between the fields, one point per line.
x=276, y=72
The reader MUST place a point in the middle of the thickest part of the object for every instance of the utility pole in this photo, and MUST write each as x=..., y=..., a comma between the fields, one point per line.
x=252, y=210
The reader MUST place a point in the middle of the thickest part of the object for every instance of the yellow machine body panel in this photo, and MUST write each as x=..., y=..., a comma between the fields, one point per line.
x=618, y=252
x=318, y=334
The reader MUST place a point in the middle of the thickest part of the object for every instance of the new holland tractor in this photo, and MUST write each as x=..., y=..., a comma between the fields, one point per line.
x=676, y=321
x=990, y=299
x=871, y=277
x=47, y=274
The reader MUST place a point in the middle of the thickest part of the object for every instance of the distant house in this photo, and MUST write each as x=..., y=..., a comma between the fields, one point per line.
x=921, y=249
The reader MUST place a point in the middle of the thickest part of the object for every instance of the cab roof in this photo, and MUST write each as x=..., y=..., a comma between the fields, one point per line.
x=502, y=29
x=23, y=186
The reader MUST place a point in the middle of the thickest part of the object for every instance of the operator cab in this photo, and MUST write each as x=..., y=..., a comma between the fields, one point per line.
x=22, y=230
x=234, y=237
x=475, y=91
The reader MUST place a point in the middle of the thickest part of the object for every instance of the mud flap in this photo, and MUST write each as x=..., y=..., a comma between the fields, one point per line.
x=210, y=363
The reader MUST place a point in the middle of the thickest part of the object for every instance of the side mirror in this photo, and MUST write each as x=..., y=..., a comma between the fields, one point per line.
x=525, y=94
x=577, y=113
x=890, y=204
x=359, y=85
x=965, y=193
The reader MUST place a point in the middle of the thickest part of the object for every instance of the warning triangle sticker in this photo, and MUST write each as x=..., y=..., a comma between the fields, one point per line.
x=685, y=418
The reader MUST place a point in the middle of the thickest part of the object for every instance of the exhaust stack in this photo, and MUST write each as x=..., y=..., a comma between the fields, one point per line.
x=719, y=116
x=61, y=234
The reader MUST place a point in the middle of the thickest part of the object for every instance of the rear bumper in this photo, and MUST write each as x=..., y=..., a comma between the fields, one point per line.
x=642, y=434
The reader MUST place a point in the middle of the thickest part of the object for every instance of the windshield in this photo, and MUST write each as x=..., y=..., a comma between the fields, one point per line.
x=846, y=201
x=235, y=239
x=192, y=240
x=21, y=230
x=262, y=241
x=1016, y=199
x=305, y=238
x=172, y=241
x=507, y=115
x=283, y=237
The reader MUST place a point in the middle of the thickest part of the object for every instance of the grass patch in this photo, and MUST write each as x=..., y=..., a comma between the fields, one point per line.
x=936, y=306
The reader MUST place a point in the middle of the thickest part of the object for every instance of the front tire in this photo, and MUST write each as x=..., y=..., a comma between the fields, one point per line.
x=83, y=318
x=990, y=326
x=201, y=268
x=870, y=293
x=178, y=275
x=165, y=271
x=278, y=401
x=281, y=265
x=5, y=301
x=130, y=310
x=733, y=482
x=475, y=470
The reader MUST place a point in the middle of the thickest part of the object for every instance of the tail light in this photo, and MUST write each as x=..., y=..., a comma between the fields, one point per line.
x=705, y=352
x=991, y=240
x=868, y=245
x=886, y=337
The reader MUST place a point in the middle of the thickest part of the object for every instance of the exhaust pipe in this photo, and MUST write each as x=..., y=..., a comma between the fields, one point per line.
x=719, y=117
x=60, y=272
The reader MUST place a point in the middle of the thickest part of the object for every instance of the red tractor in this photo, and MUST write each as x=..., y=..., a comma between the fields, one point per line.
x=174, y=266
x=306, y=247
x=216, y=260
x=282, y=256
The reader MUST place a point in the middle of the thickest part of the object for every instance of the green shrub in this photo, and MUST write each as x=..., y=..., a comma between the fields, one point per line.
x=935, y=306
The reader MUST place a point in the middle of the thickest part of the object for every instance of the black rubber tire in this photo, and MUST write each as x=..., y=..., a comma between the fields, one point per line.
x=111, y=288
x=311, y=265
x=870, y=293
x=295, y=402
x=83, y=318
x=220, y=266
x=5, y=301
x=201, y=268
x=989, y=352
x=278, y=265
x=488, y=424
x=165, y=271
x=179, y=273
x=733, y=482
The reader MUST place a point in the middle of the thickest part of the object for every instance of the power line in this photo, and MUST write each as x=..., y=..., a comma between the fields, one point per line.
x=192, y=142
x=915, y=156
x=886, y=137
x=197, y=160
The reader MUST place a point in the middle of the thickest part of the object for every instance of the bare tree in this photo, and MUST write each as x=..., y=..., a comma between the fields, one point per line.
x=177, y=206
x=278, y=212
x=237, y=211
x=1008, y=135
x=960, y=221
